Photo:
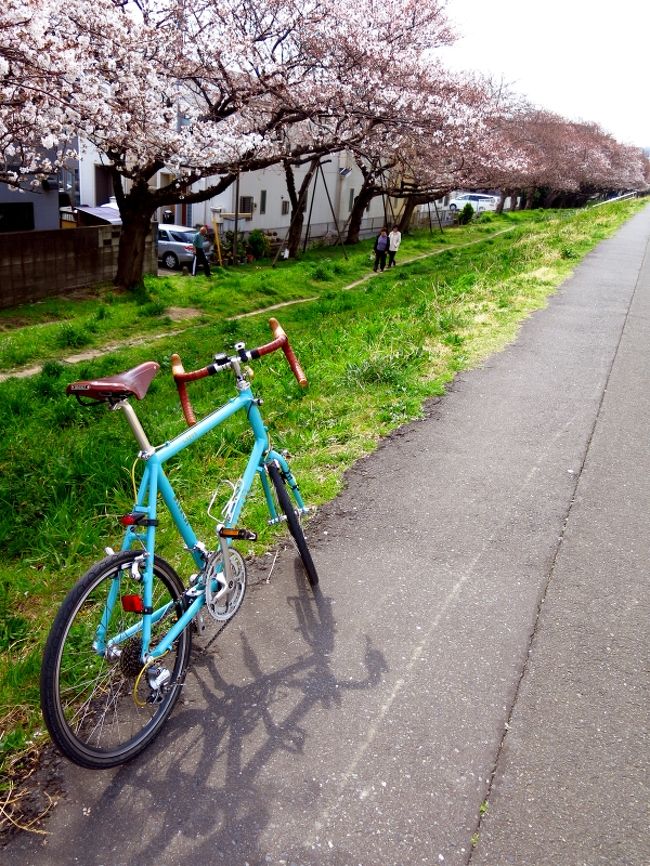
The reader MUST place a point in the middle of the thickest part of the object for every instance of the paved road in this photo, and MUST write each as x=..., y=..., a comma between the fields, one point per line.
x=480, y=640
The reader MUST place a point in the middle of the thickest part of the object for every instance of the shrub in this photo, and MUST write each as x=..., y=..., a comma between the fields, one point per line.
x=258, y=244
x=465, y=216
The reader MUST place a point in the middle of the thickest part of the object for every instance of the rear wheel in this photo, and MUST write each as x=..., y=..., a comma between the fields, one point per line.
x=293, y=521
x=104, y=707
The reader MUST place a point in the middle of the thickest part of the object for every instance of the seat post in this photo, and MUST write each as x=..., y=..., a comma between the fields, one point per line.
x=136, y=427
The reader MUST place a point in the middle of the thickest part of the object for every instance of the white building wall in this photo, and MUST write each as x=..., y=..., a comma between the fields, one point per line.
x=272, y=212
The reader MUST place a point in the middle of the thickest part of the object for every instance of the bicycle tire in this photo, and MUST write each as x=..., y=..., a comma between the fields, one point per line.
x=89, y=701
x=293, y=521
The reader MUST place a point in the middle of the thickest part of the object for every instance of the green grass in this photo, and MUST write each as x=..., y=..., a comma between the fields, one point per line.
x=373, y=355
x=60, y=327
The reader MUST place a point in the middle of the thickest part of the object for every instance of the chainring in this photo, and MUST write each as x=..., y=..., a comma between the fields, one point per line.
x=226, y=606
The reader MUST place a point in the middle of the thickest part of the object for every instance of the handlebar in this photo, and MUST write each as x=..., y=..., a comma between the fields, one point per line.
x=280, y=341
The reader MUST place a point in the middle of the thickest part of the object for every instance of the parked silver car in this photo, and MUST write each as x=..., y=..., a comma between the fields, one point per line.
x=479, y=201
x=175, y=245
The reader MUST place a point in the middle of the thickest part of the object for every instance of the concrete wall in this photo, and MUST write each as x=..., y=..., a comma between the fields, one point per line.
x=39, y=264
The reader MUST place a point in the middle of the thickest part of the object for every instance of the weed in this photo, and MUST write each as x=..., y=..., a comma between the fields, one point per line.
x=322, y=273
x=150, y=309
x=73, y=336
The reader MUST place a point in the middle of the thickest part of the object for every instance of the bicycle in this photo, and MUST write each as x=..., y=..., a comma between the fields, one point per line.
x=117, y=654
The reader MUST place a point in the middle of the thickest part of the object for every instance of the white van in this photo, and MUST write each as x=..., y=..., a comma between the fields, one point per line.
x=478, y=200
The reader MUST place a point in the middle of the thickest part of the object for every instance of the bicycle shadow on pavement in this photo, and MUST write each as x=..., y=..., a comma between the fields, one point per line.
x=246, y=736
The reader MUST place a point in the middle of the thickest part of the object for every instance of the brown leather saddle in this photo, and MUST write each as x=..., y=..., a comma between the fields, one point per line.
x=112, y=389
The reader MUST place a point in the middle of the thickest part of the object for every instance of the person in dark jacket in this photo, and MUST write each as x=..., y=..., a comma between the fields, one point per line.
x=381, y=250
x=200, y=258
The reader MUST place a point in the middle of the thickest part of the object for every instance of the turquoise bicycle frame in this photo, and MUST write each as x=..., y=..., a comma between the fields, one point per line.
x=154, y=481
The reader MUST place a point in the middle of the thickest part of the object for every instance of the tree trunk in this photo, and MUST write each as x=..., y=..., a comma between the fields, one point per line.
x=295, y=229
x=359, y=205
x=503, y=195
x=298, y=199
x=136, y=209
x=410, y=204
x=130, y=261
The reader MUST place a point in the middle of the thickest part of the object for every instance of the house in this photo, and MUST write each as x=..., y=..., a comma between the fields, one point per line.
x=31, y=209
x=258, y=200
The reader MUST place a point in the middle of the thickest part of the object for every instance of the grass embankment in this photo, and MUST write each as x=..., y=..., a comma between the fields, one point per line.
x=373, y=355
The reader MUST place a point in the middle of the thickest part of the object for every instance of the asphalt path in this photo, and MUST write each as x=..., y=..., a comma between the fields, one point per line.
x=470, y=685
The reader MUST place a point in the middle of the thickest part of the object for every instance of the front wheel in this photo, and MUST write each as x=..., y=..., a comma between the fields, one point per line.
x=293, y=521
x=101, y=705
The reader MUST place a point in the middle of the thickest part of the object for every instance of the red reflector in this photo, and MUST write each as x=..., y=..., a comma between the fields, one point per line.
x=133, y=603
x=128, y=520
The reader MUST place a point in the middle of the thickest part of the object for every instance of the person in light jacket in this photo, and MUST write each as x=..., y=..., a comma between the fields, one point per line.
x=394, y=240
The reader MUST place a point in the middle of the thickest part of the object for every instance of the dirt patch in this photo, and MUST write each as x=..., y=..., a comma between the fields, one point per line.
x=179, y=314
x=29, y=789
x=13, y=322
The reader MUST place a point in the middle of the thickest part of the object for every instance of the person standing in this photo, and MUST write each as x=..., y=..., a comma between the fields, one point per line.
x=381, y=248
x=200, y=258
x=394, y=240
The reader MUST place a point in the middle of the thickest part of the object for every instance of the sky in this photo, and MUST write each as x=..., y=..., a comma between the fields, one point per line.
x=582, y=59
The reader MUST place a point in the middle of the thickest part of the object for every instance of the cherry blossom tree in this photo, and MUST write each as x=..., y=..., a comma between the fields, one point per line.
x=549, y=161
x=207, y=89
x=429, y=147
x=213, y=88
x=28, y=133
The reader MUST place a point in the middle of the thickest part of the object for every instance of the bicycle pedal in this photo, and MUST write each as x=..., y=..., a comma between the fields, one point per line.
x=239, y=534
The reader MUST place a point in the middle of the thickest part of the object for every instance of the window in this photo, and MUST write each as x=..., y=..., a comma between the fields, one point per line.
x=285, y=208
x=262, y=201
x=246, y=205
x=16, y=216
x=103, y=184
x=351, y=201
